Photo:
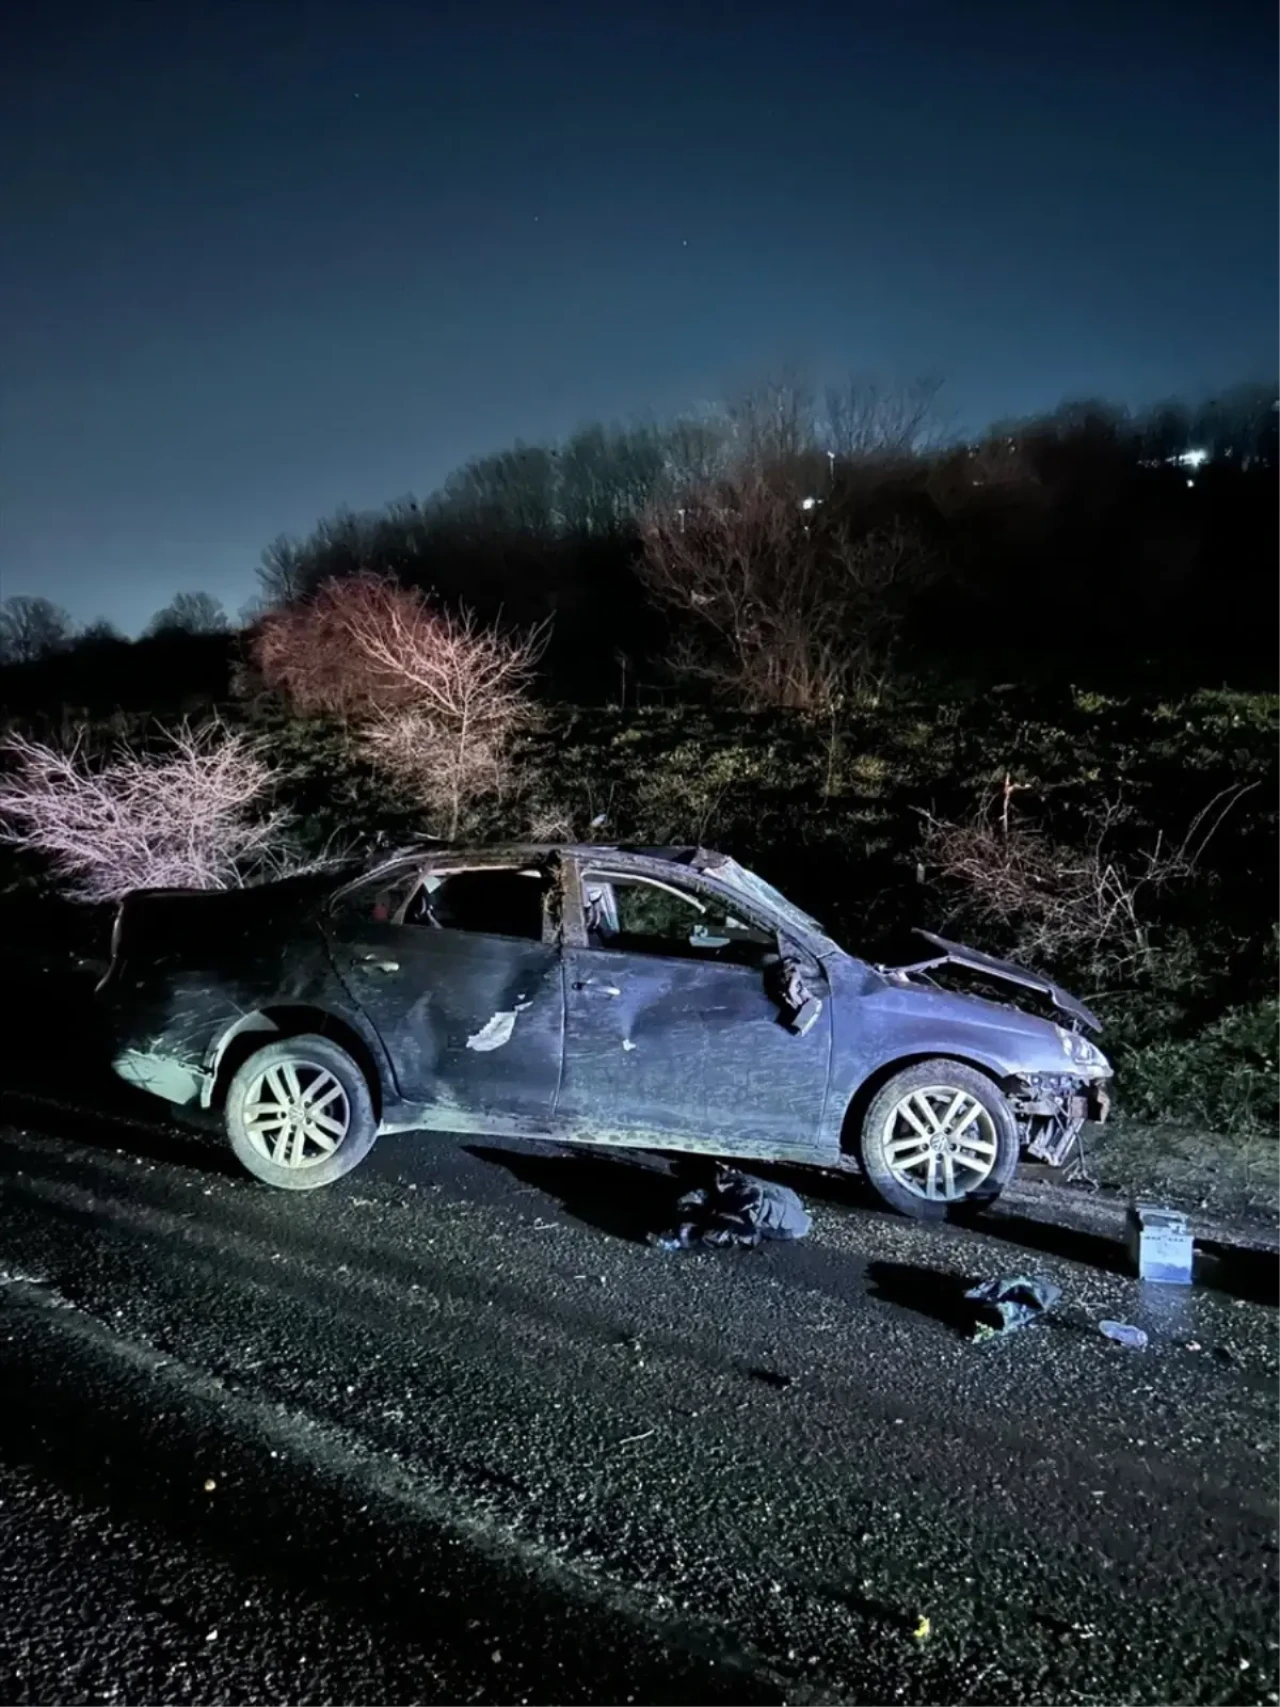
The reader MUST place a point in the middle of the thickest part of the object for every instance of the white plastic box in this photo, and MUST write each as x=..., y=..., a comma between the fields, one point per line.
x=1161, y=1245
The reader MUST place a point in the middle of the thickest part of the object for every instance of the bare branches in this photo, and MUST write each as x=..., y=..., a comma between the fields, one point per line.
x=1087, y=902
x=31, y=628
x=439, y=697
x=865, y=419
x=793, y=606
x=188, y=816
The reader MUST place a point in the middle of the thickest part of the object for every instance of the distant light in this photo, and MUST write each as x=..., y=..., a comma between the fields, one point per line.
x=1190, y=458
x=808, y=503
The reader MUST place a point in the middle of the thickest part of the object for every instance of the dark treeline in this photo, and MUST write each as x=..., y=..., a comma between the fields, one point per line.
x=1089, y=546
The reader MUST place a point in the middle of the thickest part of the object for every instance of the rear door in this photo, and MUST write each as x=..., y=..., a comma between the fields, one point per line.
x=460, y=974
x=672, y=1029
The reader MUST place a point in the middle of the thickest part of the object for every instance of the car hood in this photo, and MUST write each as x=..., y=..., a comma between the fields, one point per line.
x=1005, y=971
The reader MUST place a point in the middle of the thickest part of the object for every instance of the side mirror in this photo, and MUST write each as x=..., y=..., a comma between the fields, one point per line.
x=800, y=1006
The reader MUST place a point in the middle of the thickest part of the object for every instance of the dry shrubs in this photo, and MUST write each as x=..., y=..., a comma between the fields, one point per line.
x=190, y=814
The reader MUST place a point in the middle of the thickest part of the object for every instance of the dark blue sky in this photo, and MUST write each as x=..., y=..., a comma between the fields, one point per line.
x=261, y=258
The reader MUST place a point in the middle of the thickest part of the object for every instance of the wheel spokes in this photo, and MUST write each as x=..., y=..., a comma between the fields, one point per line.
x=940, y=1142
x=296, y=1114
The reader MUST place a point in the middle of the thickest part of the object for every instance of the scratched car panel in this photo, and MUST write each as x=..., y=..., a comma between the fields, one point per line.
x=652, y=998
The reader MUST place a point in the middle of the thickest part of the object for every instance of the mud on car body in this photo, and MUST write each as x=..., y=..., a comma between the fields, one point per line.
x=661, y=999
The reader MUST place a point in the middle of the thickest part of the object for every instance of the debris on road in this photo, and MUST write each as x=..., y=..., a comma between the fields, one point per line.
x=1009, y=1302
x=1161, y=1245
x=1123, y=1333
x=736, y=1210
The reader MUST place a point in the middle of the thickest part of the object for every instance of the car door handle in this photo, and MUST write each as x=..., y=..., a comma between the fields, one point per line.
x=375, y=963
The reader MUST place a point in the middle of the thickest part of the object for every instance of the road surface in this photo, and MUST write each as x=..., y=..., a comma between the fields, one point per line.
x=451, y=1431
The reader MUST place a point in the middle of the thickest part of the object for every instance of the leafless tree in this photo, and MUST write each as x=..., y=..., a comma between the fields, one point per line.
x=31, y=628
x=773, y=424
x=867, y=419
x=196, y=813
x=284, y=571
x=787, y=605
x=190, y=613
x=438, y=698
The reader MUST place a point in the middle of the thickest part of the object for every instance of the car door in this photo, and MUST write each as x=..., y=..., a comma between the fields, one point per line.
x=460, y=974
x=672, y=1027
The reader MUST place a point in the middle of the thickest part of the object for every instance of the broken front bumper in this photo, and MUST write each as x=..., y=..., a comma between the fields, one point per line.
x=1052, y=1113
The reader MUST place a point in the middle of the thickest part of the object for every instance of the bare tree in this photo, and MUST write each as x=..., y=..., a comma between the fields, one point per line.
x=194, y=814
x=284, y=571
x=31, y=628
x=773, y=424
x=100, y=632
x=866, y=419
x=789, y=603
x=190, y=613
x=438, y=697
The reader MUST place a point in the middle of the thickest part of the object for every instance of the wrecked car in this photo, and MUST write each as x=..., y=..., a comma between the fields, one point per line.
x=662, y=999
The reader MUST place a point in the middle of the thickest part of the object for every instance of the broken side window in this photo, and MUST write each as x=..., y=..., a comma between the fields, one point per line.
x=503, y=901
x=639, y=915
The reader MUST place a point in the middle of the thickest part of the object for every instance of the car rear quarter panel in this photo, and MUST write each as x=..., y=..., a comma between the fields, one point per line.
x=194, y=976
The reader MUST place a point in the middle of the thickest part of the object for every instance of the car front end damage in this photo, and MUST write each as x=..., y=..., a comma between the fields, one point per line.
x=1052, y=1111
x=1053, y=1075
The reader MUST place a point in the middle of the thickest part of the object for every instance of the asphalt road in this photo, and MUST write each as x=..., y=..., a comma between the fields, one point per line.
x=451, y=1431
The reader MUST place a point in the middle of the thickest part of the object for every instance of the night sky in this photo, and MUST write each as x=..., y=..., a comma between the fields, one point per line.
x=259, y=259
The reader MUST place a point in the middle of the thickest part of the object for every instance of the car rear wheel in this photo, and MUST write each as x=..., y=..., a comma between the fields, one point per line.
x=939, y=1141
x=299, y=1113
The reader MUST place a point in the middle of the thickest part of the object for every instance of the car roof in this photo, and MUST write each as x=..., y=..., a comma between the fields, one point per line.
x=502, y=853
x=621, y=856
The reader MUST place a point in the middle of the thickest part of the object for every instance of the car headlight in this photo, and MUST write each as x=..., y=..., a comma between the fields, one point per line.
x=1081, y=1053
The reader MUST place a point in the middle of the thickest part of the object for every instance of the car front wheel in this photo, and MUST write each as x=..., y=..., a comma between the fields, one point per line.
x=299, y=1113
x=939, y=1140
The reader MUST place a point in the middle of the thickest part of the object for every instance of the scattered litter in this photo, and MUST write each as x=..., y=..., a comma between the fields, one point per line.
x=923, y=1630
x=632, y=1439
x=1160, y=1245
x=1124, y=1334
x=1009, y=1302
x=736, y=1210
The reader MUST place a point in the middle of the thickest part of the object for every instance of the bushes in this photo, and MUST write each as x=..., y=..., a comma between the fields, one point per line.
x=195, y=814
x=1223, y=1079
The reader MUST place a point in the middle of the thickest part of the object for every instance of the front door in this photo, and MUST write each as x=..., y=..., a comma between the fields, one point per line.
x=673, y=1032
x=453, y=972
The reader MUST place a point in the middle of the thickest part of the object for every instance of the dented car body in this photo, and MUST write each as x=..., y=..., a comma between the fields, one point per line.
x=663, y=999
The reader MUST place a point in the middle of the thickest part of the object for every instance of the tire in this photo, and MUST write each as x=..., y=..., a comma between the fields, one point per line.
x=344, y=1117
x=905, y=1162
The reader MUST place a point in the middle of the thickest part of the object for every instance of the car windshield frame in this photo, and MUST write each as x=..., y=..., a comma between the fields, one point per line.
x=755, y=888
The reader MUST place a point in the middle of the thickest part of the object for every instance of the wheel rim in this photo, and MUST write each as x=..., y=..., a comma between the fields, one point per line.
x=940, y=1143
x=296, y=1114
